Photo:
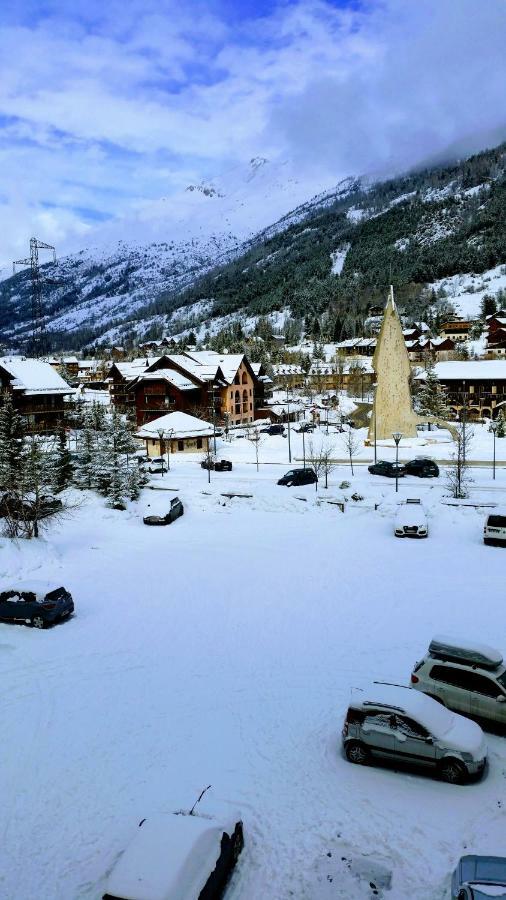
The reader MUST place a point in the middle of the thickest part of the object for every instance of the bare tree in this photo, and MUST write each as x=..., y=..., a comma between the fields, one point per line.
x=457, y=474
x=322, y=460
x=351, y=444
x=255, y=437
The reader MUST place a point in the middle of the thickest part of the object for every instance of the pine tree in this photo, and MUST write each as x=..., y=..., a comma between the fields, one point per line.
x=86, y=463
x=12, y=448
x=62, y=463
x=501, y=424
x=431, y=399
x=117, y=489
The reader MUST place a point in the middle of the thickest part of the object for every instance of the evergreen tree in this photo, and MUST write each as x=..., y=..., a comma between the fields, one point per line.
x=431, y=399
x=501, y=424
x=62, y=462
x=487, y=306
x=12, y=448
x=86, y=463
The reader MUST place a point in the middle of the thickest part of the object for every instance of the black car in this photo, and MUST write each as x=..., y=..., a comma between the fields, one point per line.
x=298, y=476
x=421, y=466
x=176, y=510
x=219, y=465
x=388, y=469
x=273, y=429
x=35, y=605
x=305, y=428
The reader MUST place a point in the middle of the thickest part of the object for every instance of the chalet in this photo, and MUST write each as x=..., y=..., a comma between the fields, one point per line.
x=289, y=375
x=119, y=377
x=37, y=390
x=237, y=395
x=479, y=386
x=176, y=432
x=263, y=386
x=438, y=348
x=458, y=329
x=496, y=334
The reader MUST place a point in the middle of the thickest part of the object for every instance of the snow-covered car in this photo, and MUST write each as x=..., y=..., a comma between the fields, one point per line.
x=479, y=878
x=35, y=604
x=177, y=857
x=176, y=510
x=494, y=530
x=467, y=677
x=411, y=520
x=157, y=466
x=399, y=725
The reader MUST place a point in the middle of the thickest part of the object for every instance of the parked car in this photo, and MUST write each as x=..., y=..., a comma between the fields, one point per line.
x=305, y=428
x=391, y=724
x=157, y=466
x=35, y=604
x=494, y=531
x=298, y=476
x=388, y=469
x=479, y=878
x=176, y=510
x=273, y=429
x=465, y=676
x=177, y=856
x=411, y=520
x=219, y=465
x=421, y=466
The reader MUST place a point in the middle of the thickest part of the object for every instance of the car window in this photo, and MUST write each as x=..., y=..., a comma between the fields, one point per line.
x=449, y=675
x=484, y=686
x=497, y=521
x=410, y=728
x=379, y=720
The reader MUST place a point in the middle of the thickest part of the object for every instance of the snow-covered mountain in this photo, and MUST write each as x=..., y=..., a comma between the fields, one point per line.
x=160, y=249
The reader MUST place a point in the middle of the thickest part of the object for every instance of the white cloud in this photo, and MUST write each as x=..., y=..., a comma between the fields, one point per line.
x=122, y=108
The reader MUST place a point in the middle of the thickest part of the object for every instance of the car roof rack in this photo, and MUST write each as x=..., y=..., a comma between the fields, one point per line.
x=467, y=653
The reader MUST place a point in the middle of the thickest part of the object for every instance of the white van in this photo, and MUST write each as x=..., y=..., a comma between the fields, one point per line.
x=494, y=531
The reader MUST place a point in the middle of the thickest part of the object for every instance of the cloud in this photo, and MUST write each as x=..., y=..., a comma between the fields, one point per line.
x=116, y=105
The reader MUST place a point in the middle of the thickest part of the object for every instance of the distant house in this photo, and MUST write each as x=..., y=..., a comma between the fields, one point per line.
x=176, y=431
x=458, y=329
x=496, y=334
x=478, y=385
x=37, y=390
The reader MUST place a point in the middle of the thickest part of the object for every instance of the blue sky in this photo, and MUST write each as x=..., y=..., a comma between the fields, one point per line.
x=105, y=106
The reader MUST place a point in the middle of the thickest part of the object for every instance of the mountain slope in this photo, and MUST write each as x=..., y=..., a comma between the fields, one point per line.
x=333, y=255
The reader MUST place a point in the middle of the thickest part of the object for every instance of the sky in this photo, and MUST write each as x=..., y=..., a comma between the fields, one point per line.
x=107, y=106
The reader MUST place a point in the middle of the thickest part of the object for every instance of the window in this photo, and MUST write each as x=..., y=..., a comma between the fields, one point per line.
x=483, y=686
x=180, y=445
x=496, y=522
x=448, y=675
x=410, y=728
x=244, y=378
x=199, y=443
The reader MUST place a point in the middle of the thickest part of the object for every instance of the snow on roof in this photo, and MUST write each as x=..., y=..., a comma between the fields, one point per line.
x=227, y=362
x=170, y=858
x=425, y=710
x=176, y=425
x=172, y=376
x=204, y=373
x=131, y=369
x=469, y=370
x=34, y=376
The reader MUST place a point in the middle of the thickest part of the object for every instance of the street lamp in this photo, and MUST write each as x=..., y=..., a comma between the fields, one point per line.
x=493, y=429
x=162, y=451
x=375, y=386
x=397, y=437
x=289, y=439
x=169, y=436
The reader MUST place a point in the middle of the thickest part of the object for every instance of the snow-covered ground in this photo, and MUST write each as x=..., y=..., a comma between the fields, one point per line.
x=223, y=650
x=466, y=291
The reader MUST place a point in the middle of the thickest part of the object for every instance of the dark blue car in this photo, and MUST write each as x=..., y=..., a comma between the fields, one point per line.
x=35, y=605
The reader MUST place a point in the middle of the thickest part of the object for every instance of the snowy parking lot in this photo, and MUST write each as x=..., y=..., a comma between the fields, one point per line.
x=223, y=650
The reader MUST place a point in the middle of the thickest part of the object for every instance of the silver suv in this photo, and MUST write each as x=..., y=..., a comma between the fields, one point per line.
x=467, y=677
x=403, y=726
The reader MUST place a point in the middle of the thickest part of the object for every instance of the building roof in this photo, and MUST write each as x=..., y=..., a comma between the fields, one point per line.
x=172, y=376
x=176, y=425
x=227, y=362
x=32, y=376
x=469, y=370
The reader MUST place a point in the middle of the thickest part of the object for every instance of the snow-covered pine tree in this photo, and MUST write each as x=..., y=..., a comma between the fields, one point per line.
x=431, y=399
x=13, y=459
x=85, y=474
x=501, y=424
x=62, y=462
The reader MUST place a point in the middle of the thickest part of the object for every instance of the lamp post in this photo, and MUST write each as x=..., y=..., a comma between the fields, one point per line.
x=162, y=451
x=493, y=428
x=289, y=438
x=397, y=437
x=304, y=447
x=169, y=433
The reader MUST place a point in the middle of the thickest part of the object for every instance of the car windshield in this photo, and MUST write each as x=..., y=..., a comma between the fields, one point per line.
x=496, y=521
x=485, y=891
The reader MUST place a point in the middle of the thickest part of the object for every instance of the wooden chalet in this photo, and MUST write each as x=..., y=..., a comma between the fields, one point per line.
x=479, y=386
x=38, y=392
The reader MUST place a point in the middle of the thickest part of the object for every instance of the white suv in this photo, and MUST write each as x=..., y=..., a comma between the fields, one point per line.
x=494, y=531
x=467, y=677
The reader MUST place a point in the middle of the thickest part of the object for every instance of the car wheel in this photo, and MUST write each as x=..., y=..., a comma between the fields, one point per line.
x=38, y=622
x=357, y=753
x=452, y=771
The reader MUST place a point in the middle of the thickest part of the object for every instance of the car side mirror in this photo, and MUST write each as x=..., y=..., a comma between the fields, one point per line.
x=501, y=698
x=429, y=740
